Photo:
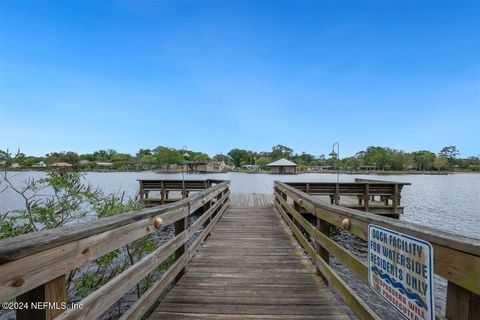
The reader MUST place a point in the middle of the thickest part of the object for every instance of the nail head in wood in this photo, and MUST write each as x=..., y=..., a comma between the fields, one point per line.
x=157, y=222
x=346, y=224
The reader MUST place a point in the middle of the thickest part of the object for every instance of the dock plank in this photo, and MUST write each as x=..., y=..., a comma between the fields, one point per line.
x=250, y=267
x=252, y=200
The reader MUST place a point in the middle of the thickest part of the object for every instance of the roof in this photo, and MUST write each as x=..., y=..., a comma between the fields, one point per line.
x=106, y=164
x=60, y=164
x=199, y=162
x=282, y=163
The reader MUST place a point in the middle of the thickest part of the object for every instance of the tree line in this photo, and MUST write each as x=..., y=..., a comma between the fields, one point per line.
x=380, y=158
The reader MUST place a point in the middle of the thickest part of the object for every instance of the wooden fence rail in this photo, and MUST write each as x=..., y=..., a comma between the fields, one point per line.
x=366, y=191
x=33, y=266
x=166, y=187
x=456, y=259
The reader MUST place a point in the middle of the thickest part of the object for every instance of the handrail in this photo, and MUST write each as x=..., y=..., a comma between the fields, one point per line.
x=365, y=191
x=363, y=180
x=165, y=186
x=458, y=242
x=20, y=246
x=457, y=258
x=39, y=259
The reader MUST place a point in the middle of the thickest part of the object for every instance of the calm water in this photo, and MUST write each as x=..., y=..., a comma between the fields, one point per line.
x=449, y=203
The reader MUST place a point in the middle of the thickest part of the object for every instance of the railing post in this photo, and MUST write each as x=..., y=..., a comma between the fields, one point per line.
x=284, y=197
x=337, y=194
x=396, y=198
x=162, y=192
x=366, y=197
x=180, y=226
x=220, y=196
x=53, y=292
x=461, y=303
x=142, y=192
x=298, y=207
x=207, y=206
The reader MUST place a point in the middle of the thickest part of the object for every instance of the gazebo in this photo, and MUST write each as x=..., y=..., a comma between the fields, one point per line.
x=283, y=166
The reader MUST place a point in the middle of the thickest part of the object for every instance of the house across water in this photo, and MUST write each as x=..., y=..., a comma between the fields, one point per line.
x=283, y=166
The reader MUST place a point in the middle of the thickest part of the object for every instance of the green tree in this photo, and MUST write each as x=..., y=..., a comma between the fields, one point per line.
x=69, y=157
x=423, y=159
x=144, y=152
x=263, y=161
x=166, y=155
x=377, y=156
x=122, y=161
x=199, y=156
x=440, y=163
x=321, y=160
x=400, y=160
x=450, y=153
x=223, y=157
x=304, y=159
x=28, y=161
x=351, y=163
x=241, y=156
x=280, y=151
x=88, y=156
x=104, y=155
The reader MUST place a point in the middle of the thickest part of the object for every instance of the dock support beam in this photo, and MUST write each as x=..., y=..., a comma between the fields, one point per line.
x=366, y=197
x=461, y=303
x=53, y=292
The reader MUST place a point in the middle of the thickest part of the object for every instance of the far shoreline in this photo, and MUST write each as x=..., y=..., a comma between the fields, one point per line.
x=386, y=173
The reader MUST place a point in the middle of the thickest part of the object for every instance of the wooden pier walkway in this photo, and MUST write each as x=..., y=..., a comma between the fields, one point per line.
x=231, y=256
x=250, y=267
x=252, y=200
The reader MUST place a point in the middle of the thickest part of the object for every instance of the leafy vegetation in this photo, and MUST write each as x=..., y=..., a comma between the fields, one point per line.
x=61, y=198
x=383, y=158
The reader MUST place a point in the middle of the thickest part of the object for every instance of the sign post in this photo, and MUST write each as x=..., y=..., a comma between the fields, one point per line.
x=400, y=270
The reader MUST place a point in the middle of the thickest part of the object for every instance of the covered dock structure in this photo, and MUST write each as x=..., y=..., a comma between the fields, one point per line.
x=283, y=166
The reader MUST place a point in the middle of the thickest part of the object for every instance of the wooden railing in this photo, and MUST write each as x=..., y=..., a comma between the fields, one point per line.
x=387, y=194
x=33, y=266
x=165, y=187
x=456, y=258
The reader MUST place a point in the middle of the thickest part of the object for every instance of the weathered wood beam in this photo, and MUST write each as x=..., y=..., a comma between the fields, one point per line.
x=51, y=292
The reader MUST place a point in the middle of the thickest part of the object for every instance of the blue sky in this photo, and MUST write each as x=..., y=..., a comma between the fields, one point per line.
x=89, y=75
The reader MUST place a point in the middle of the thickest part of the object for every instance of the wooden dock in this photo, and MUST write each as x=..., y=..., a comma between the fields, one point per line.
x=230, y=256
x=250, y=267
x=252, y=200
